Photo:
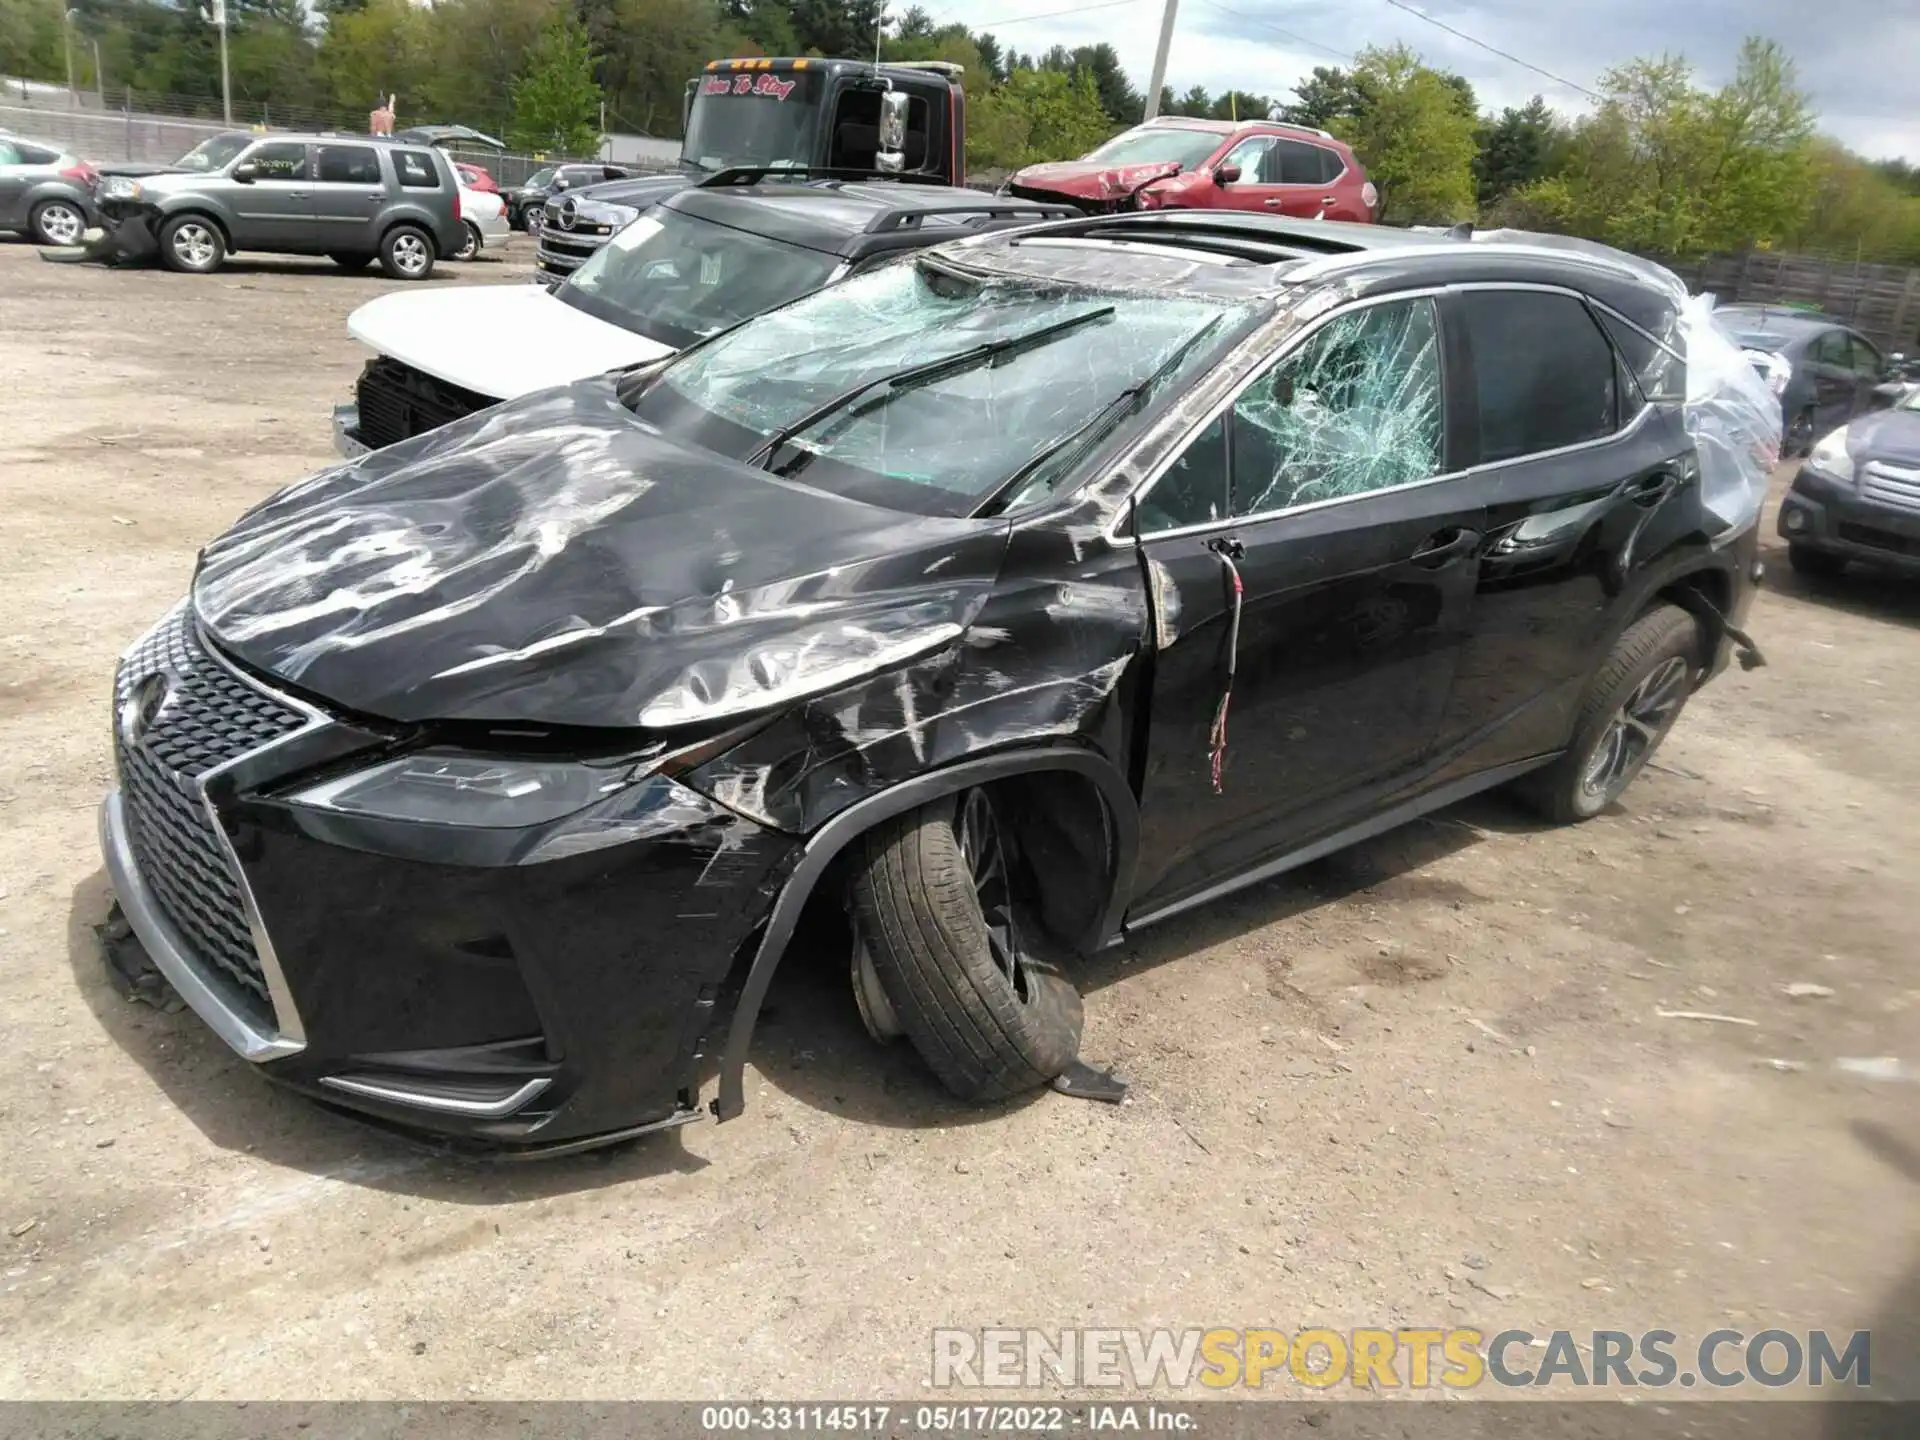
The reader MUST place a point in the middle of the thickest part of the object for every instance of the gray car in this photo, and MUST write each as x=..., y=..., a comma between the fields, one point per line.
x=1824, y=372
x=353, y=198
x=45, y=193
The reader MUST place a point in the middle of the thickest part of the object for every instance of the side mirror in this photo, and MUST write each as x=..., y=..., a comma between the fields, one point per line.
x=1225, y=174
x=246, y=173
x=891, y=155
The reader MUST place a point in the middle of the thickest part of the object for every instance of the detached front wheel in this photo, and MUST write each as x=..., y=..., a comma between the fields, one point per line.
x=933, y=902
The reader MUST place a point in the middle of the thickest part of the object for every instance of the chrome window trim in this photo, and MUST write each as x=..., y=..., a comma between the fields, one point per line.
x=1131, y=501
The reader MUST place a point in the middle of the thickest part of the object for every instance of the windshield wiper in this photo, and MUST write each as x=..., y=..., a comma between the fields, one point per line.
x=918, y=375
x=1084, y=434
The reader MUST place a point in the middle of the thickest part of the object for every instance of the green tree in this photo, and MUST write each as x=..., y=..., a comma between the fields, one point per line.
x=31, y=43
x=839, y=28
x=1413, y=136
x=1327, y=95
x=1036, y=115
x=1123, y=104
x=1520, y=147
x=556, y=104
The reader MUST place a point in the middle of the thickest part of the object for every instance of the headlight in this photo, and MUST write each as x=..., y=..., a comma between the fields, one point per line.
x=119, y=187
x=435, y=789
x=1831, y=459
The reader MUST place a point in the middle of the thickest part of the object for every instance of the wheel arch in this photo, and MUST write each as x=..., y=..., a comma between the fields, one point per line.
x=825, y=845
x=412, y=220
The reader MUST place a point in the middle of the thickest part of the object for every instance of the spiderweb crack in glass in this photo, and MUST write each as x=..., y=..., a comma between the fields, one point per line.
x=1357, y=409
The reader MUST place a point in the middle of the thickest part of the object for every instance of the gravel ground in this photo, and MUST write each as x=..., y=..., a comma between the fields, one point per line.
x=1421, y=1083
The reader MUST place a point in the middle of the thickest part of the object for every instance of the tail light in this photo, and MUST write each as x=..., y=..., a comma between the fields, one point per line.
x=456, y=204
x=81, y=173
x=1370, y=197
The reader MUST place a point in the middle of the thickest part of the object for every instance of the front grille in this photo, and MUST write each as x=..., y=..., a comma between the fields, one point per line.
x=564, y=252
x=209, y=716
x=397, y=402
x=1894, y=485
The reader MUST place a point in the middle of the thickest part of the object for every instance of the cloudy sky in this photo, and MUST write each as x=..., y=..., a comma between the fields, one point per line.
x=1859, y=60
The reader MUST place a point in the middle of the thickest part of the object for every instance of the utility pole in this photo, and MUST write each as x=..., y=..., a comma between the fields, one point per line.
x=1159, y=81
x=99, y=78
x=226, y=91
x=73, y=95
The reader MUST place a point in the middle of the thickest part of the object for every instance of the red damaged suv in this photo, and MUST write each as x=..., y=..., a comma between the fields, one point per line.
x=1178, y=163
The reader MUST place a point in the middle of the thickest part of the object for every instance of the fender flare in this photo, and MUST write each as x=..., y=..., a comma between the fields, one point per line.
x=826, y=843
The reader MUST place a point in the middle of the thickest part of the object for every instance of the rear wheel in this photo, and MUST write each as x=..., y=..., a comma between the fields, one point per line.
x=57, y=222
x=473, y=244
x=407, y=253
x=350, y=262
x=1632, y=702
x=192, y=245
x=1815, y=564
x=934, y=906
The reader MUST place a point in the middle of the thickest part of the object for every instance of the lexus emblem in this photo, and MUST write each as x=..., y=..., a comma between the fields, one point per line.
x=568, y=213
x=143, y=705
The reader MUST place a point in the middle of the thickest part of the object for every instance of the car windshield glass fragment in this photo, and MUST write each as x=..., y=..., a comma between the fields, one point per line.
x=898, y=447
x=215, y=154
x=758, y=118
x=1157, y=145
x=677, y=279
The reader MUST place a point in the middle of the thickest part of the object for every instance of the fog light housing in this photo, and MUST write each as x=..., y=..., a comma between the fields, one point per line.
x=1795, y=520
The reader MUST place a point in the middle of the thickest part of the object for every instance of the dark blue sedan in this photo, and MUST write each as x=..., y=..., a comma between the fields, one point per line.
x=1823, y=372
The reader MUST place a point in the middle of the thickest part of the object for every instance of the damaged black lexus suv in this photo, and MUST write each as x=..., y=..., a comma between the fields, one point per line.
x=1009, y=597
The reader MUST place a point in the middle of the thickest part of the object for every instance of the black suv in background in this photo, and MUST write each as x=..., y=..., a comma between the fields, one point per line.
x=354, y=198
x=1012, y=596
x=738, y=243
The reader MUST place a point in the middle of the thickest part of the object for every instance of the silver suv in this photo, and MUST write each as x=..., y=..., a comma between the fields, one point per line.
x=353, y=198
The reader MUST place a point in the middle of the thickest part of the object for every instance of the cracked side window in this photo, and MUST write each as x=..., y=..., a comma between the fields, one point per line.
x=1356, y=408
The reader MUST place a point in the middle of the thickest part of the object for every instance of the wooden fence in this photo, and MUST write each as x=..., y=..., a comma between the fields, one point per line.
x=1882, y=302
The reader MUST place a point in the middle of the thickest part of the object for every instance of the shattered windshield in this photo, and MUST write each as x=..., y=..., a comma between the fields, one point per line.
x=763, y=117
x=214, y=154
x=1157, y=145
x=677, y=279
x=943, y=446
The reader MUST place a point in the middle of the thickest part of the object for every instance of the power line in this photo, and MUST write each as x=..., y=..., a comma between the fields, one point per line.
x=1420, y=14
x=987, y=27
x=1287, y=34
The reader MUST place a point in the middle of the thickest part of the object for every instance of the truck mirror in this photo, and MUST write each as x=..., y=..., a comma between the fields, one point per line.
x=892, y=152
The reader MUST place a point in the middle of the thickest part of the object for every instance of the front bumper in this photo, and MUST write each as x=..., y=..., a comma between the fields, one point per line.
x=416, y=975
x=129, y=230
x=1874, y=519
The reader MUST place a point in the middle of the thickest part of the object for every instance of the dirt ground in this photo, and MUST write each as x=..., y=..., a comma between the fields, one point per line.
x=1421, y=1083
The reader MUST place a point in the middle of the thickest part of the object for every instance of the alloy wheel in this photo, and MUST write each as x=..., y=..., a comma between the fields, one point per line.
x=977, y=831
x=410, y=254
x=472, y=246
x=61, y=224
x=194, y=244
x=1637, y=727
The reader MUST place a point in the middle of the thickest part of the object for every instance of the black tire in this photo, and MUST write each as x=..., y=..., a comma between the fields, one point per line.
x=407, y=253
x=350, y=262
x=1815, y=564
x=1799, y=436
x=916, y=903
x=57, y=222
x=473, y=246
x=193, y=245
x=1632, y=701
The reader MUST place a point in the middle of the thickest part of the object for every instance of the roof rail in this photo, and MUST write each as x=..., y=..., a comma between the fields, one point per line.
x=949, y=68
x=754, y=174
x=990, y=208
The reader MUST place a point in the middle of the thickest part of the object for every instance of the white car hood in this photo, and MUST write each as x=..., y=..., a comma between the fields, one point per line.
x=499, y=340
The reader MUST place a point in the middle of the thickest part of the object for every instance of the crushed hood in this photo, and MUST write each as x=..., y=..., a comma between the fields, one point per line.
x=504, y=341
x=1891, y=435
x=554, y=561
x=1091, y=180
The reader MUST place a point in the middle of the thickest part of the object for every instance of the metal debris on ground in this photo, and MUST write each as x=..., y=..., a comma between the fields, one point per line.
x=1705, y=1015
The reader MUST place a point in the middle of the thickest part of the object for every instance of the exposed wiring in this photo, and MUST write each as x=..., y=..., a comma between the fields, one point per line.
x=1217, y=735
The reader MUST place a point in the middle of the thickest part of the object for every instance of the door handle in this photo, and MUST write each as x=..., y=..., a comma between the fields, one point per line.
x=1443, y=547
x=1328, y=199
x=1273, y=204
